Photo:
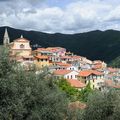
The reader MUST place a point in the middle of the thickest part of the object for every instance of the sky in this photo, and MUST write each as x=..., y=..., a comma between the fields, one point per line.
x=61, y=16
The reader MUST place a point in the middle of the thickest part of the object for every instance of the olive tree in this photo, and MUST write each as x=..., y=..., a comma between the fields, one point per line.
x=27, y=96
x=103, y=106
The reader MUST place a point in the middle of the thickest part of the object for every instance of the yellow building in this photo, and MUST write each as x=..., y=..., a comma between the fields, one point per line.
x=41, y=61
x=21, y=47
x=95, y=78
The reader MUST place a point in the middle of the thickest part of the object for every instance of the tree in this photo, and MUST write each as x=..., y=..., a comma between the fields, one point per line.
x=103, y=106
x=84, y=93
x=116, y=105
x=6, y=65
x=25, y=95
x=115, y=62
x=71, y=92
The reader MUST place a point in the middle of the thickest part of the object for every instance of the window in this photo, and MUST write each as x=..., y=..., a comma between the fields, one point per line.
x=22, y=46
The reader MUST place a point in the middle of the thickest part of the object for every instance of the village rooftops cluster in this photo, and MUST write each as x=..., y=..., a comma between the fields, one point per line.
x=77, y=70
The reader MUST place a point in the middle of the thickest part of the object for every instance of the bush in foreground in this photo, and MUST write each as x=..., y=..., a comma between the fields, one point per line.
x=27, y=96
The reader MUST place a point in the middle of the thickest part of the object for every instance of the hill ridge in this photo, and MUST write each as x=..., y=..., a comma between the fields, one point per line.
x=104, y=45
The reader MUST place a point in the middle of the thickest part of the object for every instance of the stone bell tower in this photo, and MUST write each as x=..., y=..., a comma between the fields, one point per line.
x=6, y=39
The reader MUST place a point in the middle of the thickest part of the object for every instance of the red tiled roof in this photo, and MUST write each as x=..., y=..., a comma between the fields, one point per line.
x=86, y=73
x=66, y=57
x=97, y=72
x=63, y=64
x=62, y=72
x=110, y=83
x=76, y=83
x=112, y=69
x=41, y=57
x=21, y=40
x=97, y=66
x=116, y=86
x=50, y=49
x=76, y=57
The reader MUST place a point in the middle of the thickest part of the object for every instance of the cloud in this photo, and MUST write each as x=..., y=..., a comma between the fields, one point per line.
x=73, y=17
x=5, y=0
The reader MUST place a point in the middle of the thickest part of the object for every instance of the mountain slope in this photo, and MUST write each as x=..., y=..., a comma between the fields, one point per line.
x=115, y=63
x=94, y=45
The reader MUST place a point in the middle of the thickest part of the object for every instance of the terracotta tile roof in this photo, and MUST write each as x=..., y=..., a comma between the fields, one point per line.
x=63, y=64
x=116, y=86
x=97, y=72
x=21, y=40
x=112, y=69
x=76, y=83
x=76, y=57
x=110, y=83
x=41, y=49
x=86, y=73
x=41, y=57
x=97, y=66
x=66, y=57
x=61, y=72
x=50, y=49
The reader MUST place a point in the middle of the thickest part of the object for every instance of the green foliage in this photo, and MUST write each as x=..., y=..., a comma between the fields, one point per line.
x=103, y=106
x=71, y=92
x=5, y=64
x=84, y=93
x=115, y=63
x=27, y=96
x=75, y=114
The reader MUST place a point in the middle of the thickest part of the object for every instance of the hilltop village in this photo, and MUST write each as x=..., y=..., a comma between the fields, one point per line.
x=76, y=70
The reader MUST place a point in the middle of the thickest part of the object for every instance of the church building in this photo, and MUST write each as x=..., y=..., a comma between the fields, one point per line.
x=19, y=47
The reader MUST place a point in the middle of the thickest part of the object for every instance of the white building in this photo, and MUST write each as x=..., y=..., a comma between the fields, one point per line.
x=67, y=74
